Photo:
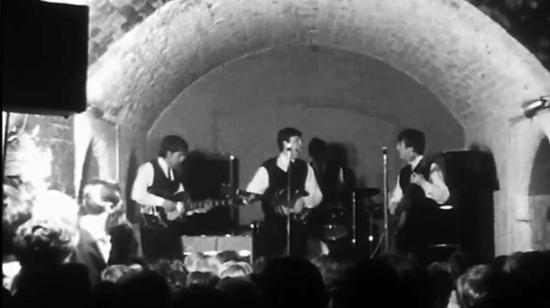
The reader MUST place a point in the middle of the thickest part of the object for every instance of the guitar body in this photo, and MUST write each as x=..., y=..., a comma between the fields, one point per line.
x=160, y=218
x=281, y=205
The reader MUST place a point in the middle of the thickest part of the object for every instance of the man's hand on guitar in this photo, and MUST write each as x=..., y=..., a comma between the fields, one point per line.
x=392, y=207
x=206, y=206
x=298, y=206
x=417, y=179
x=168, y=205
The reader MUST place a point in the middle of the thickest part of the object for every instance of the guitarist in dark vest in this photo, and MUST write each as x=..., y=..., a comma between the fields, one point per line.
x=415, y=200
x=153, y=177
x=270, y=182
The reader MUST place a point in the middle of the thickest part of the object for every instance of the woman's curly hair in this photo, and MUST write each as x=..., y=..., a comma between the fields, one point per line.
x=43, y=242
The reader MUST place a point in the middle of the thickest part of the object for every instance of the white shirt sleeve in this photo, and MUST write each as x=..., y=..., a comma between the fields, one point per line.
x=315, y=195
x=397, y=193
x=395, y=197
x=435, y=187
x=259, y=183
x=144, y=179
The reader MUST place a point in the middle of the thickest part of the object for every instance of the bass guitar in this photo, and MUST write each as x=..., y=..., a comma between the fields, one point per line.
x=278, y=201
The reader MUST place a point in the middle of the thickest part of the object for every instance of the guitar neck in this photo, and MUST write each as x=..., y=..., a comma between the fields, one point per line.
x=200, y=204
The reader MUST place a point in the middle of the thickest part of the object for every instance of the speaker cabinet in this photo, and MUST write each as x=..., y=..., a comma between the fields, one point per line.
x=44, y=57
x=215, y=244
x=472, y=179
x=210, y=176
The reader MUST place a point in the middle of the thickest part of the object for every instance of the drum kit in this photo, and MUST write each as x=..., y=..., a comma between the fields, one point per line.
x=339, y=224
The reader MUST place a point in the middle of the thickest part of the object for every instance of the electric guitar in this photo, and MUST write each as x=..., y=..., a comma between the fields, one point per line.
x=281, y=205
x=402, y=210
x=159, y=217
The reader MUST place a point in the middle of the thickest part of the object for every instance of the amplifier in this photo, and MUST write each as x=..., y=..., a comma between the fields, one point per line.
x=211, y=245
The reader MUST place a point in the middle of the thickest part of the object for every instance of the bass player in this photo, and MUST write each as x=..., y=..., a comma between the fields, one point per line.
x=271, y=182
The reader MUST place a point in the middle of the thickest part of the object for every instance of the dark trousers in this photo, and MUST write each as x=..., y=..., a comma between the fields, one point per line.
x=414, y=238
x=161, y=243
x=272, y=238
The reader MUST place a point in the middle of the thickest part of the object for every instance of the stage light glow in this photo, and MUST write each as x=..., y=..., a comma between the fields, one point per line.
x=446, y=207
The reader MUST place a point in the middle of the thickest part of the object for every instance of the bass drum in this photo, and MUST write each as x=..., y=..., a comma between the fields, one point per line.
x=334, y=227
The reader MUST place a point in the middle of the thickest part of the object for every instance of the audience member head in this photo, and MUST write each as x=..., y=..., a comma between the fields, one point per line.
x=459, y=263
x=204, y=279
x=199, y=262
x=16, y=210
x=100, y=197
x=228, y=255
x=201, y=297
x=173, y=271
x=440, y=273
x=371, y=283
x=472, y=286
x=115, y=272
x=332, y=270
x=293, y=282
x=241, y=292
x=235, y=269
x=144, y=289
x=56, y=205
x=57, y=285
x=43, y=242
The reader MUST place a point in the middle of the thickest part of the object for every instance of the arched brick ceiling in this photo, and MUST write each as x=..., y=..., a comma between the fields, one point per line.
x=469, y=62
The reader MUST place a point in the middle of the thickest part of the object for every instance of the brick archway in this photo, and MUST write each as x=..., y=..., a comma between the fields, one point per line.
x=479, y=72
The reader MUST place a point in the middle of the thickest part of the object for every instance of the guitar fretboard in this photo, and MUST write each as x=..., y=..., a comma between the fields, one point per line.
x=193, y=205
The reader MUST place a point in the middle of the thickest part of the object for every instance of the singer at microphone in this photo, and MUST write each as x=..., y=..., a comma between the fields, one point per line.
x=273, y=177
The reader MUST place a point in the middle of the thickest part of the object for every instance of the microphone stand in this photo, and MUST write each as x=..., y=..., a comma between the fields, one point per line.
x=386, y=206
x=288, y=198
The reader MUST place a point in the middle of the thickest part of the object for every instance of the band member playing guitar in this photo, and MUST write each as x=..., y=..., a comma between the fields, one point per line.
x=271, y=182
x=153, y=188
x=415, y=200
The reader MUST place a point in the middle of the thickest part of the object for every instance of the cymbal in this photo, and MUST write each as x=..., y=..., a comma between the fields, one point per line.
x=365, y=192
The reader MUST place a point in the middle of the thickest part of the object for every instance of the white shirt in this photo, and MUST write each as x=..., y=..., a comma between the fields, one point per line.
x=260, y=182
x=95, y=226
x=434, y=187
x=144, y=179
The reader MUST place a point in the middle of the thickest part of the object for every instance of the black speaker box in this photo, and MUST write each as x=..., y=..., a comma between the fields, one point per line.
x=44, y=57
x=204, y=176
x=472, y=179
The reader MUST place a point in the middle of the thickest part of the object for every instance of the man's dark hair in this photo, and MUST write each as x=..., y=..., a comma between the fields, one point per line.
x=413, y=138
x=96, y=193
x=172, y=143
x=285, y=134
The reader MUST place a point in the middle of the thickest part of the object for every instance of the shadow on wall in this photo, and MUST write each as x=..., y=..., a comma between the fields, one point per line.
x=344, y=154
x=539, y=197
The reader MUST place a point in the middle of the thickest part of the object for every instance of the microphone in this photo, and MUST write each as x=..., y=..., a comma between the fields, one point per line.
x=289, y=150
x=385, y=150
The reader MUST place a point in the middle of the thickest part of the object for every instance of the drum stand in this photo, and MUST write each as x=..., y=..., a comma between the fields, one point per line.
x=386, y=233
x=353, y=220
